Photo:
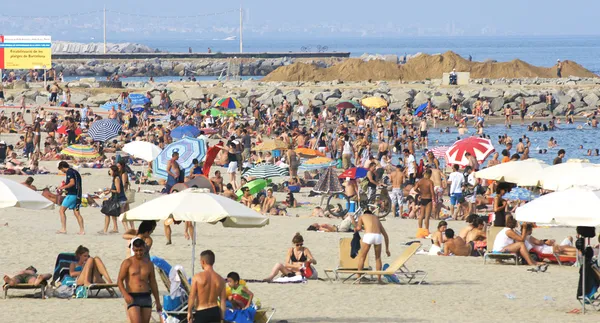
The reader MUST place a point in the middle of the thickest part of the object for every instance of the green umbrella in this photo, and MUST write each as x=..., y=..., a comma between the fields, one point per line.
x=218, y=113
x=255, y=186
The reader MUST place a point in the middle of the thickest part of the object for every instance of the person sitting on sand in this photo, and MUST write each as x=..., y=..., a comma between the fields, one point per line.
x=241, y=296
x=269, y=202
x=27, y=276
x=438, y=237
x=246, y=197
x=229, y=192
x=469, y=220
x=291, y=201
x=88, y=270
x=297, y=257
x=28, y=182
x=217, y=181
x=455, y=246
x=478, y=234
x=508, y=240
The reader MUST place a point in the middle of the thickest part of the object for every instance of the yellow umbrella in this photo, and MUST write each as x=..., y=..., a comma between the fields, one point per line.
x=374, y=102
x=271, y=145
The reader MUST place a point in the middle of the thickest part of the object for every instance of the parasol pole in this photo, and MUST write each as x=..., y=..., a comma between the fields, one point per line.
x=193, y=249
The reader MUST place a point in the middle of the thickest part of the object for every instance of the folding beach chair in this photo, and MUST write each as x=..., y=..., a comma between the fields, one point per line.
x=97, y=288
x=491, y=236
x=41, y=287
x=345, y=261
x=180, y=312
x=61, y=267
x=397, y=269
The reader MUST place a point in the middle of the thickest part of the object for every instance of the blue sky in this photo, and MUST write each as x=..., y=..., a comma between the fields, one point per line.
x=458, y=17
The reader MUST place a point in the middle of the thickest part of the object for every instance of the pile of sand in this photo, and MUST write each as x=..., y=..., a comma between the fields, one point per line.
x=419, y=68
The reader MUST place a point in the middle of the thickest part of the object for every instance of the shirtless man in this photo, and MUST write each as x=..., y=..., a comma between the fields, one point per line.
x=455, y=245
x=439, y=185
x=54, y=93
x=375, y=235
x=137, y=272
x=208, y=288
x=229, y=192
x=425, y=189
x=382, y=150
x=423, y=133
x=269, y=202
x=217, y=181
x=350, y=188
x=396, y=195
x=507, y=116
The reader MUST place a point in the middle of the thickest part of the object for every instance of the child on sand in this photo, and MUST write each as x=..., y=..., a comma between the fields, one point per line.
x=241, y=296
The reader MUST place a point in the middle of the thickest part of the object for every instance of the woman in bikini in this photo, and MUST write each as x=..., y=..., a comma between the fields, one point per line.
x=88, y=270
x=297, y=258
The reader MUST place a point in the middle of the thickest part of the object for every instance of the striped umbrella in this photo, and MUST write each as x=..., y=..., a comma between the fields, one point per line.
x=104, y=129
x=266, y=171
x=109, y=105
x=439, y=152
x=218, y=113
x=317, y=163
x=480, y=148
x=80, y=151
x=188, y=149
x=328, y=182
x=185, y=131
x=229, y=103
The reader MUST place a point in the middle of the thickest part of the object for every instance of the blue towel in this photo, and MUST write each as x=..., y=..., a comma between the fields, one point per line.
x=240, y=316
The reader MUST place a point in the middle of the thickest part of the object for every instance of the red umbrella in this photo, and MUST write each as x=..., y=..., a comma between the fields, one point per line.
x=354, y=173
x=439, y=152
x=479, y=147
x=63, y=130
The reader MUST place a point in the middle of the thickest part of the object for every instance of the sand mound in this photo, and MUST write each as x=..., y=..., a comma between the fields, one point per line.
x=419, y=68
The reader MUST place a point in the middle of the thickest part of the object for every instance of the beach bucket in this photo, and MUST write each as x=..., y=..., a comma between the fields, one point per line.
x=352, y=207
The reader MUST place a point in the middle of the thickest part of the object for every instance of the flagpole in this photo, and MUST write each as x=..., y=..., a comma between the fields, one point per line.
x=104, y=29
x=241, y=29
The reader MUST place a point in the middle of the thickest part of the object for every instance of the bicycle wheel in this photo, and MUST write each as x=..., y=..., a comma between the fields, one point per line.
x=338, y=204
x=380, y=205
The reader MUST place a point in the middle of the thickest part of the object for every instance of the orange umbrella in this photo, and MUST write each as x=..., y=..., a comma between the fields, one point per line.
x=309, y=153
x=271, y=145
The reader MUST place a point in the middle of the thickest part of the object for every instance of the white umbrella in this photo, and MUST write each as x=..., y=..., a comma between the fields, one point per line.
x=572, y=207
x=559, y=177
x=522, y=173
x=197, y=205
x=13, y=194
x=142, y=149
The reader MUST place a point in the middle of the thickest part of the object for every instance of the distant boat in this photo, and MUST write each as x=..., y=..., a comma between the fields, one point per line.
x=230, y=38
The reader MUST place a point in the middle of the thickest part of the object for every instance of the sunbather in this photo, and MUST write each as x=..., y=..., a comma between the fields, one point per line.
x=455, y=246
x=297, y=257
x=549, y=246
x=27, y=276
x=88, y=270
x=347, y=225
x=438, y=238
x=508, y=240
x=465, y=231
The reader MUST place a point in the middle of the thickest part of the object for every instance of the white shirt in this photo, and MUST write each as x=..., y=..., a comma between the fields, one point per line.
x=502, y=240
x=347, y=149
x=457, y=179
x=410, y=164
x=471, y=179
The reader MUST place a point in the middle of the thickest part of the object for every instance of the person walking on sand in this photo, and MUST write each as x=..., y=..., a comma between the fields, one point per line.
x=137, y=272
x=72, y=201
x=208, y=296
x=397, y=178
x=424, y=188
x=375, y=235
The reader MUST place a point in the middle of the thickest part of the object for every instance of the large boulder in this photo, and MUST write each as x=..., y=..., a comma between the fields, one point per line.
x=563, y=99
x=335, y=94
x=20, y=85
x=350, y=94
x=41, y=99
x=471, y=94
x=560, y=109
x=78, y=97
x=102, y=98
x=441, y=102
x=491, y=94
x=84, y=71
x=511, y=94
x=421, y=98
x=591, y=99
x=178, y=95
x=574, y=94
x=497, y=104
x=31, y=94
x=400, y=95
x=538, y=109
x=292, y=96
x=194, y=93
x=268, y=95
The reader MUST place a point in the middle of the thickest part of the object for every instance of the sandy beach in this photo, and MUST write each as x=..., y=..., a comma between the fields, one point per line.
x=457, y=289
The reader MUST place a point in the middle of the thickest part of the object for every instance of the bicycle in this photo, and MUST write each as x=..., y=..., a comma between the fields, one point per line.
x=380, y=204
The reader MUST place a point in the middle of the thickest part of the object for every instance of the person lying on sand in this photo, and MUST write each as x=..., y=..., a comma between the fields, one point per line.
x=347, y=225
x=27, y=276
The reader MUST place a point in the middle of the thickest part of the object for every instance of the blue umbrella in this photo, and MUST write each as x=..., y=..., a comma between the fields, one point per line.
x=421, y=109
x=137, y=99
x=109, y=105
x=185, y=131
x=519, y=194
x=188, y=149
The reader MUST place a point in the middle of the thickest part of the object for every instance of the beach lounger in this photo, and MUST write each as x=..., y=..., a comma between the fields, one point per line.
x=552, y=257
x=97, y=288
x=345, y=261
x=41, y=287
x=491, y=236
x=264, y=315
x=181, y=311
x=398, y=268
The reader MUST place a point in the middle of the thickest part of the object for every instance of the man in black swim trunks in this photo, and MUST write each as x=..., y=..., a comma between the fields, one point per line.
x=208, y=288
x=425, y=189
x=137, y=272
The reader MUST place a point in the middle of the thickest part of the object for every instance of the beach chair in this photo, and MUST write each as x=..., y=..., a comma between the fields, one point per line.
x=181, y=311
x=397, y=269
x=552, y=257
x=345, y=261
x=61, y=267
x=491, y=236
x=264, y=314
x=95, y=289
x=41, y=287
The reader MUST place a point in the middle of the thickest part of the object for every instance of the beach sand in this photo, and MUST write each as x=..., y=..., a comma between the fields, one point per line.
x=458, y=289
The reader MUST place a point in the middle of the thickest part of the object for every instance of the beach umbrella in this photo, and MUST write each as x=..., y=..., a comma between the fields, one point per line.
x=254, y=186
x=109, y=105
x=308, y=153
x=198, y=206
x=317, y=163
x=213, y=112
x=188, y=149
x=354, y=173
x=519, y=194
x=347, y=105
x=104, y=129
x=266, y=171
x=328, y=182
x=229, y=103
x=14, y=194
x=143, y=150
x=480, y=148
x=439, y=152
x=522, y=173
x=63, y=130
x=566, y=175
x=185, y=131
x=80, y=151
x=374, y=102
x=420, y=111
x=271, y=145
x=137, y=99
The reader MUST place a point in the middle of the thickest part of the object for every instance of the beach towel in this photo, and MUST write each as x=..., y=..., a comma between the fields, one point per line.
x=355, y=245
x=240, y=316
x=285, y=280
x=176, y=290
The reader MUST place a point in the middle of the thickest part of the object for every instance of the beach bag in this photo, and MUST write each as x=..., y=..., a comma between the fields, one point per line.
x=130, y=195
x=111, y=207
x=64, y=291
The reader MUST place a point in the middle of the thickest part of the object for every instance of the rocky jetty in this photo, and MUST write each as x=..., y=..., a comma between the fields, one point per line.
x=584, y=93
x=62, y=47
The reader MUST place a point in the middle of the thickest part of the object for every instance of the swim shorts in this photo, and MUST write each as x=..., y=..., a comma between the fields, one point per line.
x=142, y=300
x=373, y=238
x=424, y=202
x=208, y=315
x=455, y=198
x=396, y=196
x=71, y=202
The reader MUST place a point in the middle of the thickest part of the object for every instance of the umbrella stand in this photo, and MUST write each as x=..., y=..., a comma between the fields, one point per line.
x=193, y=250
